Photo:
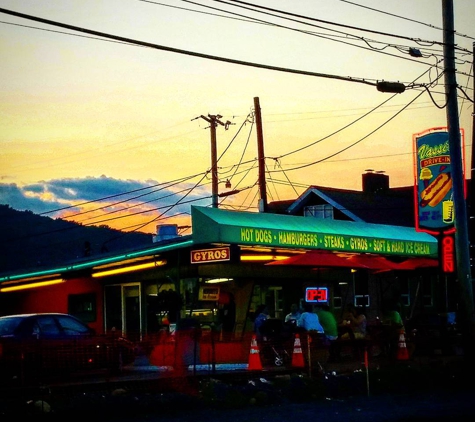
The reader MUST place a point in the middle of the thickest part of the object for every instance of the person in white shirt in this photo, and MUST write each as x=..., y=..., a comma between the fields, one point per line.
x=294, y=314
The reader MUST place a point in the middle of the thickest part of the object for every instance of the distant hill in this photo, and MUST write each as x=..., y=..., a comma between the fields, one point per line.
x=29, y=241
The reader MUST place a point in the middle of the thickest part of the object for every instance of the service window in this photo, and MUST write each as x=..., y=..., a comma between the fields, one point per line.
x=83, y=306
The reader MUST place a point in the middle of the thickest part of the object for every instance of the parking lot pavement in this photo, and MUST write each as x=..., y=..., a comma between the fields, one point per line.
x=407, y=390
x=142, y=371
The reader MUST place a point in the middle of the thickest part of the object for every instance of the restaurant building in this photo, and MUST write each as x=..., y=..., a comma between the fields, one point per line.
x=230, y=264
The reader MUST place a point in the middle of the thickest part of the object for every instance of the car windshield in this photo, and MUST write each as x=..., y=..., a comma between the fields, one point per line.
x=8, y=325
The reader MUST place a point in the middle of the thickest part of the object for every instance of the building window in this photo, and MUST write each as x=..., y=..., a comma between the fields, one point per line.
x=337, y=295
x=362, y=301
x=83, y=306
x=405, y=296
x=361, y=288
x=319, y=211
x=427, y=293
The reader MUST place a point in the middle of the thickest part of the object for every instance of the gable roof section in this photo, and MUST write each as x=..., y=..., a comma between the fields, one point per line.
x=342, y=201
x=391, y=206
x=212, y=225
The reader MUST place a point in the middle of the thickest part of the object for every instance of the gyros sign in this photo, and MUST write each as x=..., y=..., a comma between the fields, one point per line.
x=210, y=255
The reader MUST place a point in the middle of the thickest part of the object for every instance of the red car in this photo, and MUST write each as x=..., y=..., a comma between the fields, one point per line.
x=45, y=344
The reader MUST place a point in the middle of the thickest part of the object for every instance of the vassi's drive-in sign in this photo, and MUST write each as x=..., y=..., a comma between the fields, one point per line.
x=433, y=205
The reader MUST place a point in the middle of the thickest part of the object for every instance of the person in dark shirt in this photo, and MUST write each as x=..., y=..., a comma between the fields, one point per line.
x=262, y=313
x=228, y=317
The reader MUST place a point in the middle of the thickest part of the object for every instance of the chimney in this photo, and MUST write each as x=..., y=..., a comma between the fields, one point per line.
x=165, y=232
x=375, y=181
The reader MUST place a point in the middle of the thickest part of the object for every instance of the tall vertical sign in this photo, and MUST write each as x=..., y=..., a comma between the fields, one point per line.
x=434, y=208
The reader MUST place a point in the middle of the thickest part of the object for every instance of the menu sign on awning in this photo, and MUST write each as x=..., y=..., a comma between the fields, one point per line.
x=212, y=225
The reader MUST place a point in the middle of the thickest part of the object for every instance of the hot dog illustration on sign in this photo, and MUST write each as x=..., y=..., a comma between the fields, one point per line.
x=436, y=191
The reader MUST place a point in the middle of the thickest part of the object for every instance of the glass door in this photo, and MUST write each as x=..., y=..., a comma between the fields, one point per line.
x=123, y=310
x=132, y=312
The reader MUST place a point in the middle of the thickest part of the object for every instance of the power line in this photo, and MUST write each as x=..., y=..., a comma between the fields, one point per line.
x=187, y=52
x=403, y=17
x=324, y=36
x=253, y=20
x=125, y=42
x=330, y=23
x=171, y=183
x=338, y=130
x=357, y=142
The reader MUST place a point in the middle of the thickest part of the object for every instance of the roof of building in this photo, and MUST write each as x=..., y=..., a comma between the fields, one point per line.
x=377, y=203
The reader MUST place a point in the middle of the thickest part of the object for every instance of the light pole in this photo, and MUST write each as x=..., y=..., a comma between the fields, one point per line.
x=464, y=278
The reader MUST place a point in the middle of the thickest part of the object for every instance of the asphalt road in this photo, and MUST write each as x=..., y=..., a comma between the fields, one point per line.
x=424, y=407
x=431, y=391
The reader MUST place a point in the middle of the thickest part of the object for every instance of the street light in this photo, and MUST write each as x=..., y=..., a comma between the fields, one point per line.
x=393, y=87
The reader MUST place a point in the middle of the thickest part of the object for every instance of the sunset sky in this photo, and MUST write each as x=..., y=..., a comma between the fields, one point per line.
x=103, y=131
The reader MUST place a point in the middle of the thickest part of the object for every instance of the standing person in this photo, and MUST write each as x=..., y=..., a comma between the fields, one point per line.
x=392, y=317
x=228, y=317
x=328, y=321
x=309, y=321
x=330, y=327
x=294, y=314
x=393, y=326
x=262, y=313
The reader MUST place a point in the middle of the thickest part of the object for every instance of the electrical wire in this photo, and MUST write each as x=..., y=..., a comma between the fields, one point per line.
x=357, y=142
x=81, y=204
x=404, y=18
x=241, y=157
x=187, y=52
x=328, y=22
x=326, y=36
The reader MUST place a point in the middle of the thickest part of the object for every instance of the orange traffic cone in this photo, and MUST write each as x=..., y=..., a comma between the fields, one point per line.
x=402, y=353
x=255, y=363
x=297, y=355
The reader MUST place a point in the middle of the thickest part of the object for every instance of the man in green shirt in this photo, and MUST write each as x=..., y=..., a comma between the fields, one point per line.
x=328, y=321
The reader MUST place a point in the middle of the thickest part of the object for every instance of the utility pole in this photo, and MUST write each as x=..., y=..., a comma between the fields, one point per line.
x=471, y=193
x=214, y=121
x=261, y=157
x=464, y=279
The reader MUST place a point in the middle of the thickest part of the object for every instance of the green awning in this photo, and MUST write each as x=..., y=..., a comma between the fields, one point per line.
x=212, y=225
